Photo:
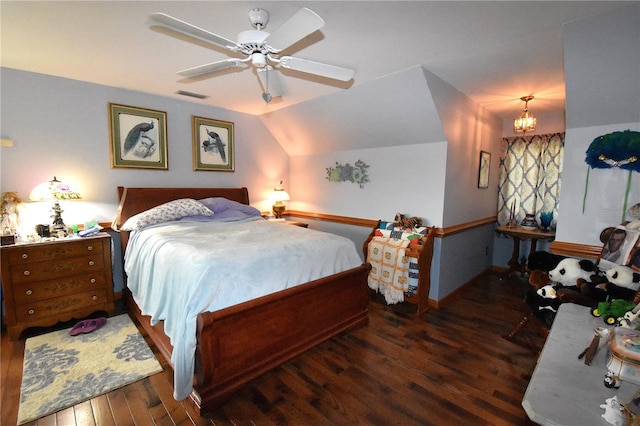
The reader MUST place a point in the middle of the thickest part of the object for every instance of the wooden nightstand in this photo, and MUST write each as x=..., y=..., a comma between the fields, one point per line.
x=44, y=283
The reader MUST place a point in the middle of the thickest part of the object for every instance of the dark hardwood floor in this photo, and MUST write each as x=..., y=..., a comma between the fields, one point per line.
x=449, y=367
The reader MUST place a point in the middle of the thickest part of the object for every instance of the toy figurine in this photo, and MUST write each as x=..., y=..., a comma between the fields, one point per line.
x=10, y=208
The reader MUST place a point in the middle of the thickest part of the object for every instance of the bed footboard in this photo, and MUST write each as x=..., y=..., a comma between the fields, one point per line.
x=238, y=344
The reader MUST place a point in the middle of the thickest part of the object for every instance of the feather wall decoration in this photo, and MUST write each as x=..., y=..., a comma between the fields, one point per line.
x=617, y=149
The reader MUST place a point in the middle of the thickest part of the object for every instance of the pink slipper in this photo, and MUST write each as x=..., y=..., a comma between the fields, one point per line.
x=87, y=326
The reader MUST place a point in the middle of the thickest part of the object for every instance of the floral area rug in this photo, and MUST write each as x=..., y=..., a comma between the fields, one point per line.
x=61, y=370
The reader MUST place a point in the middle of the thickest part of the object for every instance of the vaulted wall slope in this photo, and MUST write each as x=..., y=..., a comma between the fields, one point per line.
x=421, y=139
x=392, y=111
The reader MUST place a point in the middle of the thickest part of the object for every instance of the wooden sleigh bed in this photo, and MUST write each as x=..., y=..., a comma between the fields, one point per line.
x=238, y=343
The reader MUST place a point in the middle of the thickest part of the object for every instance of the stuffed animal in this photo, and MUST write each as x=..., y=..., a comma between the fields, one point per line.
x=619, y=282
x=10, y=208
x=410, y=223
x=569, y=270
x=539, y=264
x=570, y=273
x=623, y=282
x=614, y=412
x=549, y=294
x=623, y=276
x=543, y=261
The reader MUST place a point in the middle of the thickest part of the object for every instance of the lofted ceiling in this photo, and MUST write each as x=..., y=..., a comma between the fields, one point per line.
x=494, y=52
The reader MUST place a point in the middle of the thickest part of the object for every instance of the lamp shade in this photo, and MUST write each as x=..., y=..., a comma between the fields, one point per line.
x=280, y=195
x=277, y=197
x=53, y=190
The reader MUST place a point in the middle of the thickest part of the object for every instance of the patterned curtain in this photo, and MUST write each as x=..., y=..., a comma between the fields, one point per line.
x=530, y=176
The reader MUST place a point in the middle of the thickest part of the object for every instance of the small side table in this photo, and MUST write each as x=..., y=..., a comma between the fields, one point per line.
x=519, y=234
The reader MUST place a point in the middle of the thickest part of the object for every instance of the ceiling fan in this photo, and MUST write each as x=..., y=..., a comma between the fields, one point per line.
x=260, y=48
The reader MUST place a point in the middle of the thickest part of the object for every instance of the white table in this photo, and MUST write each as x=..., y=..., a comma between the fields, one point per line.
x=563, y=390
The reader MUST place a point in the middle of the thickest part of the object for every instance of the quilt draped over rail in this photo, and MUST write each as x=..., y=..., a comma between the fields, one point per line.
x=392, y=271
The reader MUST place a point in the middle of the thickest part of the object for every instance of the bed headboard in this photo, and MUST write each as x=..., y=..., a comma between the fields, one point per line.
x=137, y=200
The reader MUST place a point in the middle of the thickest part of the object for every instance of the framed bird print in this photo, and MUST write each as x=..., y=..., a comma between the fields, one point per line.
x=138, y=137
x=213, y=145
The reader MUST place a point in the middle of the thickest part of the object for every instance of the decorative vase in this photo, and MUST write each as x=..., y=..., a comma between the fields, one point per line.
x=529, y=222
x=545, y=220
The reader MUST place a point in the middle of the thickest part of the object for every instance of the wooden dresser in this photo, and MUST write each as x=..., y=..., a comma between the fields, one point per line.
x=44, y=283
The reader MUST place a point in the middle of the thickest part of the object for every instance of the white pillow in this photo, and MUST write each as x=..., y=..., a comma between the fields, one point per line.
x=173, y=210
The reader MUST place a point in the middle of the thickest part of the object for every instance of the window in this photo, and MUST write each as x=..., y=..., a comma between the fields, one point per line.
x=530, y=176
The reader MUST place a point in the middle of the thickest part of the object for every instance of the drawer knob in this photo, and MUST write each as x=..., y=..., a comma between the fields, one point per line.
x=29, y=292
x=32, y=311
x=92, y=280
x=26, y=273
x=89, y=248
x=94, y=297
x=25, y=256
x=91, y=263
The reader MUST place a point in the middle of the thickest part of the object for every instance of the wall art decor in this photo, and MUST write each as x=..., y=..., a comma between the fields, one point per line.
x=483, y=172
x=213, y=145
x=616, y=150
x=348, y=173
x=138, y=137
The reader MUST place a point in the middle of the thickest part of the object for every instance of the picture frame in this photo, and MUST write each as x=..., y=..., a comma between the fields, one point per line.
x=213, y=145
x=138, y=137
x=483, y=169
x=621, y=248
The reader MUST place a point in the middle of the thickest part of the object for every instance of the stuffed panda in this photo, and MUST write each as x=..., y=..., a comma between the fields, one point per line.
x=549, y=294
x=543, y=303
x=569, y=270
x=570, y=275
x=618, y=282
x=623, y=282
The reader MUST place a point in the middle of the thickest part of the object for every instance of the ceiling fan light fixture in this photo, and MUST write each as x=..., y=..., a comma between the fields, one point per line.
x=258, y=60
x=527, y=121
x=260, y=48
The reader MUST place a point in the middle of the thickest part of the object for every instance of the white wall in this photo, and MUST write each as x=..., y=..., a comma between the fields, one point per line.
x=60, y=128
x=602, y=69
x=407, y=179
x=433, y=175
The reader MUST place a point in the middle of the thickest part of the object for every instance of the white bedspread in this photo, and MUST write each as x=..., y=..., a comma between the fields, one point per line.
x=179, y=269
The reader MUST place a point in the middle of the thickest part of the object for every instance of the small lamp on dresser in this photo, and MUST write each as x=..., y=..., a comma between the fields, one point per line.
x=54, y=190
x=279, y=196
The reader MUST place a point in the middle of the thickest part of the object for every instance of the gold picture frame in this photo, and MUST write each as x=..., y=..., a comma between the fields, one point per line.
x=138, y=137
x=483, y=169
x=213, y=145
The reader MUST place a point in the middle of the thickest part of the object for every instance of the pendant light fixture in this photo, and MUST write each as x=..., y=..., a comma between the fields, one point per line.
x=526, y=122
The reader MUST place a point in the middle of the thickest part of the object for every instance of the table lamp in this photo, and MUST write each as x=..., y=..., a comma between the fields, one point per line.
x=54, y=190
x=278, y=197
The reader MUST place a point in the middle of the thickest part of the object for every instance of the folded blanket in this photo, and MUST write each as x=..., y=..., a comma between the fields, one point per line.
x=389, y=267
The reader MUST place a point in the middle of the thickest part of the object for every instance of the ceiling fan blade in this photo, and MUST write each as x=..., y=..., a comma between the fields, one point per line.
x=272, y=86
x=212, y=67
x=193, y=31
x=298, y=26
x=317, y=68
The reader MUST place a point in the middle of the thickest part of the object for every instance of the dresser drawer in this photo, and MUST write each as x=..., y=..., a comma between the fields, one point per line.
x=50, y=281
x=53, y=251
x=60, y=305
x=29, y=292
x=47, y=269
